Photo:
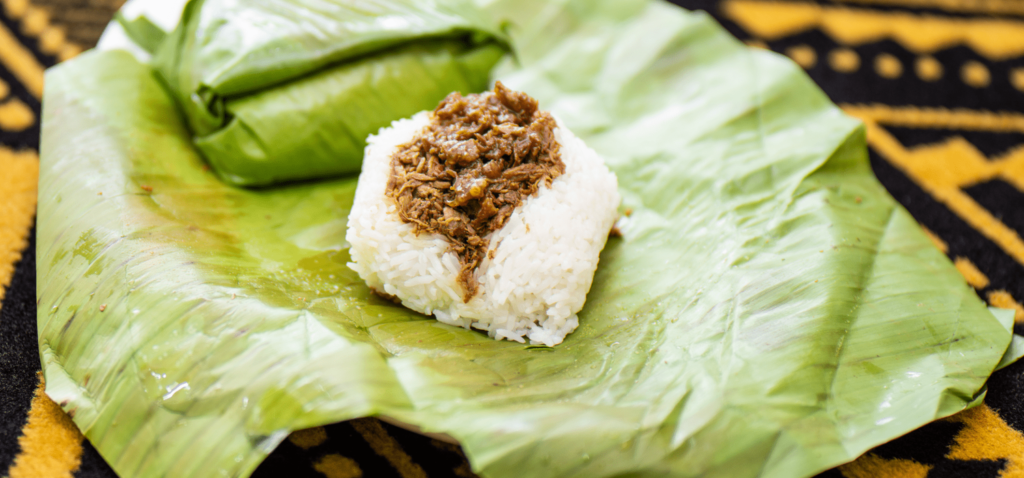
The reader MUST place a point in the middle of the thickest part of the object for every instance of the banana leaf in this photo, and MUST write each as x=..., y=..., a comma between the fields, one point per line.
x=769, y=311
x=280, y=90
x=142, y=31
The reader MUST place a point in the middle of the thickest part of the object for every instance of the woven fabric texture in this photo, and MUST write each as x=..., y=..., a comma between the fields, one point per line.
x=938, y=83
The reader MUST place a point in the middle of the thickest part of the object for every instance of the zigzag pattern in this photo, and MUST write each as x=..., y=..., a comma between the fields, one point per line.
x=947, y=182
x=877, y=56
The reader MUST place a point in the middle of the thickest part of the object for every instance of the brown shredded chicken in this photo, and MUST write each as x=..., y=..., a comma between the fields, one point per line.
x=465, y=173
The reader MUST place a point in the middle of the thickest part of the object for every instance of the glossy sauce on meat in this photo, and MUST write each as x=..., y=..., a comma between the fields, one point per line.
x=465, y=173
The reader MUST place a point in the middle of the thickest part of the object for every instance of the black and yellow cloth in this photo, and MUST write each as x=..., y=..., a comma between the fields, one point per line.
x=939, y=84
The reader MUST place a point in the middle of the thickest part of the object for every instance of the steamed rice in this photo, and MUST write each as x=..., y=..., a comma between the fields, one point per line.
x=544, y=257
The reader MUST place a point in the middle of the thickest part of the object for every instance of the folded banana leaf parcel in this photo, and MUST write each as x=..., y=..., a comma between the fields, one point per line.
x=278, y=90
x=768, y=311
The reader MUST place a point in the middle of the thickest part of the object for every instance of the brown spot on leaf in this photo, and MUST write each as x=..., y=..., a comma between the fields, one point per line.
x=386, y=296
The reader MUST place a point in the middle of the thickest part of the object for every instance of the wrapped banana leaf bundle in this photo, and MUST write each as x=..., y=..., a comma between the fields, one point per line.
x=282, y=90
x=769, y=309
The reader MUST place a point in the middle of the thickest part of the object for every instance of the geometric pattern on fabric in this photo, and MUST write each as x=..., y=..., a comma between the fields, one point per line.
x=938, y=83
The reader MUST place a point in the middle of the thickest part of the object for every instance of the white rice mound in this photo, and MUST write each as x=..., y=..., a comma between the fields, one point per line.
x=545, y=255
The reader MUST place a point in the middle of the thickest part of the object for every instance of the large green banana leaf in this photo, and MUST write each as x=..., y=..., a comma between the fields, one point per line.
x=770, y=310
x=278, y=90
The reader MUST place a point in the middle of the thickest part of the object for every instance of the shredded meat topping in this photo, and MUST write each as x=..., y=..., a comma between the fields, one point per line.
x=465, y=173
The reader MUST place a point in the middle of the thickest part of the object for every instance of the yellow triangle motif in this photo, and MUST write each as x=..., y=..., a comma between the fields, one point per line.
x=996, y=39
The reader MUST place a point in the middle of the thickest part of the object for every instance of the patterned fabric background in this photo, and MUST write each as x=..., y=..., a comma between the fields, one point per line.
x=938, y=83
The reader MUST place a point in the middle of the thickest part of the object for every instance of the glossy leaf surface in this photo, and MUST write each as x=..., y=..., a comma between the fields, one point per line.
x=284, y=90
x=770, y=310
